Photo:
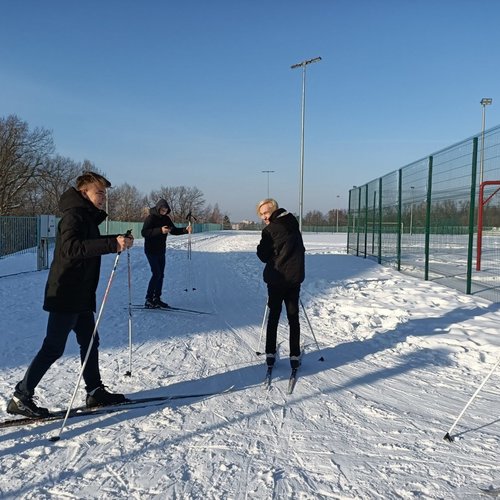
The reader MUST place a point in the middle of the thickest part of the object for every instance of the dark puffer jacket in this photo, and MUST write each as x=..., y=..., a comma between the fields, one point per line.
x=155, y=242
x=74, y=272
x=282, y=249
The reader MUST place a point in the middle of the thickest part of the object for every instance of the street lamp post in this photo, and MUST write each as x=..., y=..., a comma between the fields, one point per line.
x=107, y=208
x=303, y=65
x=268, y=172
x=485, y=101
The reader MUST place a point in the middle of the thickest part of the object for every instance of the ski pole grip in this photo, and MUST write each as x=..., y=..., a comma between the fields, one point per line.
x=126, y=235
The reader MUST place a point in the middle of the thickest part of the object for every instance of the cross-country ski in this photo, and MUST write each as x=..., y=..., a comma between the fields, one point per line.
x=292, y=381
x=130, y=403
x=168, y=309
x=268, y=377
x=490, y=490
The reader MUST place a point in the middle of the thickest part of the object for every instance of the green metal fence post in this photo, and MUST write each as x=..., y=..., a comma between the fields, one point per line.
x=349, y=222
x=374, y=219
x=366, y=220
x=472, y=211
x=428, y=219
x=400, y=203
x=380, y=220
x=358, y=212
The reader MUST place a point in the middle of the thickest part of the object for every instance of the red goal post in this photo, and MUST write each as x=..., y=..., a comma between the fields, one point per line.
x=482, y=203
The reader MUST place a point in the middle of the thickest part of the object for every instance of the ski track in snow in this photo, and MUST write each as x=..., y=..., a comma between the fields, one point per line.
x=401, y=359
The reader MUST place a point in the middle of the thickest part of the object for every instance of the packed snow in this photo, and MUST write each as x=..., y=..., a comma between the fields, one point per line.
x=401, y=359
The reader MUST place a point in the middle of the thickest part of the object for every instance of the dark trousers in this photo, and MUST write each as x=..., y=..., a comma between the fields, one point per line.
x=290, y=296
x=157, y=265
x=59, y=326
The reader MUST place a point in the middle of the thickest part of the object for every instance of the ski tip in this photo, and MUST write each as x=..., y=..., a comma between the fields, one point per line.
x=259, y=353
x=447, y=437
x=54, y=439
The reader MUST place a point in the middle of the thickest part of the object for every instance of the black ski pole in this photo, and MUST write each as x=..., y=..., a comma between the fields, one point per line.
x=190, y=217
x=311, y=328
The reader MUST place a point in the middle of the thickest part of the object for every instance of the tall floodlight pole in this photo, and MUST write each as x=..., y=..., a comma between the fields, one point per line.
x=303, y=65
x=107, y=209
x=268, y=172
x=485, y=101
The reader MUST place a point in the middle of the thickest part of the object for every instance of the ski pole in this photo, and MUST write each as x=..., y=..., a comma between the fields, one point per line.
x=87, y=355
x=190, y=217
x=189, y=242
x=189, y=278
x=129, y=372
x=311, y=328
x=264, y=320
x=448, y=435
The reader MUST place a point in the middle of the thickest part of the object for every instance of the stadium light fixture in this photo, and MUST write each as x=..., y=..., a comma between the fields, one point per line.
x=303, y=65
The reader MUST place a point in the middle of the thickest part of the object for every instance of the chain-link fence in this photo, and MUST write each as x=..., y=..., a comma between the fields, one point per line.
x=423, y=218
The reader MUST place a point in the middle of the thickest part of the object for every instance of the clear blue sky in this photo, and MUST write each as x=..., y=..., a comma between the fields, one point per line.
x=200, y=93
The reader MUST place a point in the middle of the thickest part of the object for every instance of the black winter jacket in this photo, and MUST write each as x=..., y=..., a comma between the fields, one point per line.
x=74, y=272
x=282, y=249
x=155, y=242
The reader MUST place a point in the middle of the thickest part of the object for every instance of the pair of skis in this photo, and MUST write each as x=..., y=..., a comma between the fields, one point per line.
x=129, y=404
x=167, y=309
x=292, y=380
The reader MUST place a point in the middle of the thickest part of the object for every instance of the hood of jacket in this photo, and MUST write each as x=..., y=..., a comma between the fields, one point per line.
x=162, y=203
x=282, y=216
x=73, y=199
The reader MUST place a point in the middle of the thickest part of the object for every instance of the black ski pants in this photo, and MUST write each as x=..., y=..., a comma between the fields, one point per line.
x=59, y=325
x=277, y=295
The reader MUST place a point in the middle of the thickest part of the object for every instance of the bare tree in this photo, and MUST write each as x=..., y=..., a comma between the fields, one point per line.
x=314, y=218
x=190, y=201
x=56, y=176
x=181, y=199
x=22, y=155
x=215, y=215
x=126, y=203
x=337, y=215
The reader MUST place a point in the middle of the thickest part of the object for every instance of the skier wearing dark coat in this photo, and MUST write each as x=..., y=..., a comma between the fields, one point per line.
x=70, y=292
x=156, y=227
x=282, y=250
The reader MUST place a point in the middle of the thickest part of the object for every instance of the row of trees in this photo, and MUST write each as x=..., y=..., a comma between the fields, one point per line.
x=331, y=218
x=33, y=177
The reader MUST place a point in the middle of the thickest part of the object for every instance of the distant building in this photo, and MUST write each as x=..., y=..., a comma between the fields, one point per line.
x=246, y=225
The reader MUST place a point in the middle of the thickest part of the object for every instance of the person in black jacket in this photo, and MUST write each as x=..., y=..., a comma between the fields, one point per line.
x=282, y=250
x=70, y=293
x=157, y=226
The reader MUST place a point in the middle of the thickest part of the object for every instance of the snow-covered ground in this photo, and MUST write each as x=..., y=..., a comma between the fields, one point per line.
x=402, y=357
